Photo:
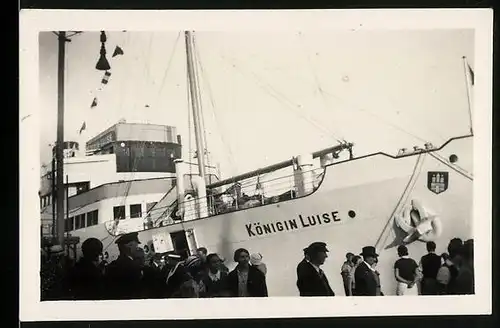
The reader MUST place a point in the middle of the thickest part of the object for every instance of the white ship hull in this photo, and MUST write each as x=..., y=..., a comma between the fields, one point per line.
x=375, y=187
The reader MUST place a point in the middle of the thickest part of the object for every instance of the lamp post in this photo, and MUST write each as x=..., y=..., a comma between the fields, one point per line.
x=102, y=64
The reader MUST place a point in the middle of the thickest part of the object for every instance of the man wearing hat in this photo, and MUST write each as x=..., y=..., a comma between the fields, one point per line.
x=311, y=280
x=124, y=275
x=365, y=275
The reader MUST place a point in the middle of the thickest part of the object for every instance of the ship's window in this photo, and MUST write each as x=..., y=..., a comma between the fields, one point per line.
x=135, y=211
x=71, y=224
x=149, y=206
x=82, y=187
x=77, y=222
x=82, y=220
x=160, y=152
x=92, y=218
x=72, y=191
x=119, y=212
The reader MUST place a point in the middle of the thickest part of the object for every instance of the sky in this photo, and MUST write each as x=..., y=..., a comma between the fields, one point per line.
x=268, y=96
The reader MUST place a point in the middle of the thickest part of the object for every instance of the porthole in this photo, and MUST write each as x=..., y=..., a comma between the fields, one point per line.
x=453, y=158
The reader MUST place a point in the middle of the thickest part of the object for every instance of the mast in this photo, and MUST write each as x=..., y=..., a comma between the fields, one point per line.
x=195, y=104
x=60, y=139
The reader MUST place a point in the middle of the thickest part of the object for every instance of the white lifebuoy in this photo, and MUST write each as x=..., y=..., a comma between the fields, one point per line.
x=418, y=222
x=403, y=220
x=437, y=230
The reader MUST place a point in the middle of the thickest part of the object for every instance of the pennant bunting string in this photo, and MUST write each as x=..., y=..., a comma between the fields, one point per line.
x=104, y=81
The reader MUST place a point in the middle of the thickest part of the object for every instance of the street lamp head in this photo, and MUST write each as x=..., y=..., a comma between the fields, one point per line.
x=102, y=63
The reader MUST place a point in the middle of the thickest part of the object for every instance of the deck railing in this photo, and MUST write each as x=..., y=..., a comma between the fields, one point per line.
x=243, y=194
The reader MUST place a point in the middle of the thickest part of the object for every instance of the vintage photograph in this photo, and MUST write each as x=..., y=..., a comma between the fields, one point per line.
x=208, y=164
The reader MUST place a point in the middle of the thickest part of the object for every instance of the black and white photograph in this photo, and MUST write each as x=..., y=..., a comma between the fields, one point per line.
x=303, y=161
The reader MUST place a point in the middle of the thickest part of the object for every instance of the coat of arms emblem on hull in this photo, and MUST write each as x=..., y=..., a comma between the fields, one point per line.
x=437, y=182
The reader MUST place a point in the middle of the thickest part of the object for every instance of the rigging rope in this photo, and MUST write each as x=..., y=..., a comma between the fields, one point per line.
x=122, y=81
x=288, y=103
x=169, y=64
x=453, y=166
x=358, y=108
x=404, y=196
x=314, y=74
x=214, y=109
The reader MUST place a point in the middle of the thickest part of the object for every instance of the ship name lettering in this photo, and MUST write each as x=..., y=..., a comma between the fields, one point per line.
x=258, y=229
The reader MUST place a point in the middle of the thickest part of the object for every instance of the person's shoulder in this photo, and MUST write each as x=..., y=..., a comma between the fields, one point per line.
x=256, y=270
x=114, y=265
x=302, y=265
x=361, y=268
x=411, y=261
x=435, y=256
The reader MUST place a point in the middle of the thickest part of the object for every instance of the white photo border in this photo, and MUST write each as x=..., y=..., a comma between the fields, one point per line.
x=34, y=21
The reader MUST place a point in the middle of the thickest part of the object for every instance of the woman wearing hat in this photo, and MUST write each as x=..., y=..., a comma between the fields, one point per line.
x=256, y=261
x=365, y=274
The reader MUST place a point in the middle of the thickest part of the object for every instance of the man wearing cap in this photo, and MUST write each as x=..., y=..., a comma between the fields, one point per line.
x=311, y=280
x=124, y=275
x=364, y=276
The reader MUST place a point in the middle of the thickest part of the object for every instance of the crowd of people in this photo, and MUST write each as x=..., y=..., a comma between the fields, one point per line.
x=133, y=275
x=450, y=273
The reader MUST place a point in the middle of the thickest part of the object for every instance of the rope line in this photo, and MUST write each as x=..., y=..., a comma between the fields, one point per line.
x=402, y=199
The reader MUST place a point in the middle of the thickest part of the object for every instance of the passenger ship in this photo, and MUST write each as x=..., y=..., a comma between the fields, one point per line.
x=384, y=200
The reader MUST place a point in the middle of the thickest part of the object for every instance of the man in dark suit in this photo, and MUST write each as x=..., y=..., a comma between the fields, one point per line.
x=311, y=280
x=365, y=276
x=124, y=275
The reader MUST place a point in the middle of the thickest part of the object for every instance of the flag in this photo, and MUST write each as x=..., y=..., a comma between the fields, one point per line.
x=84, y=126
x=118, y=51
x=105, y=78
x=471, y=73
x=94, y=103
